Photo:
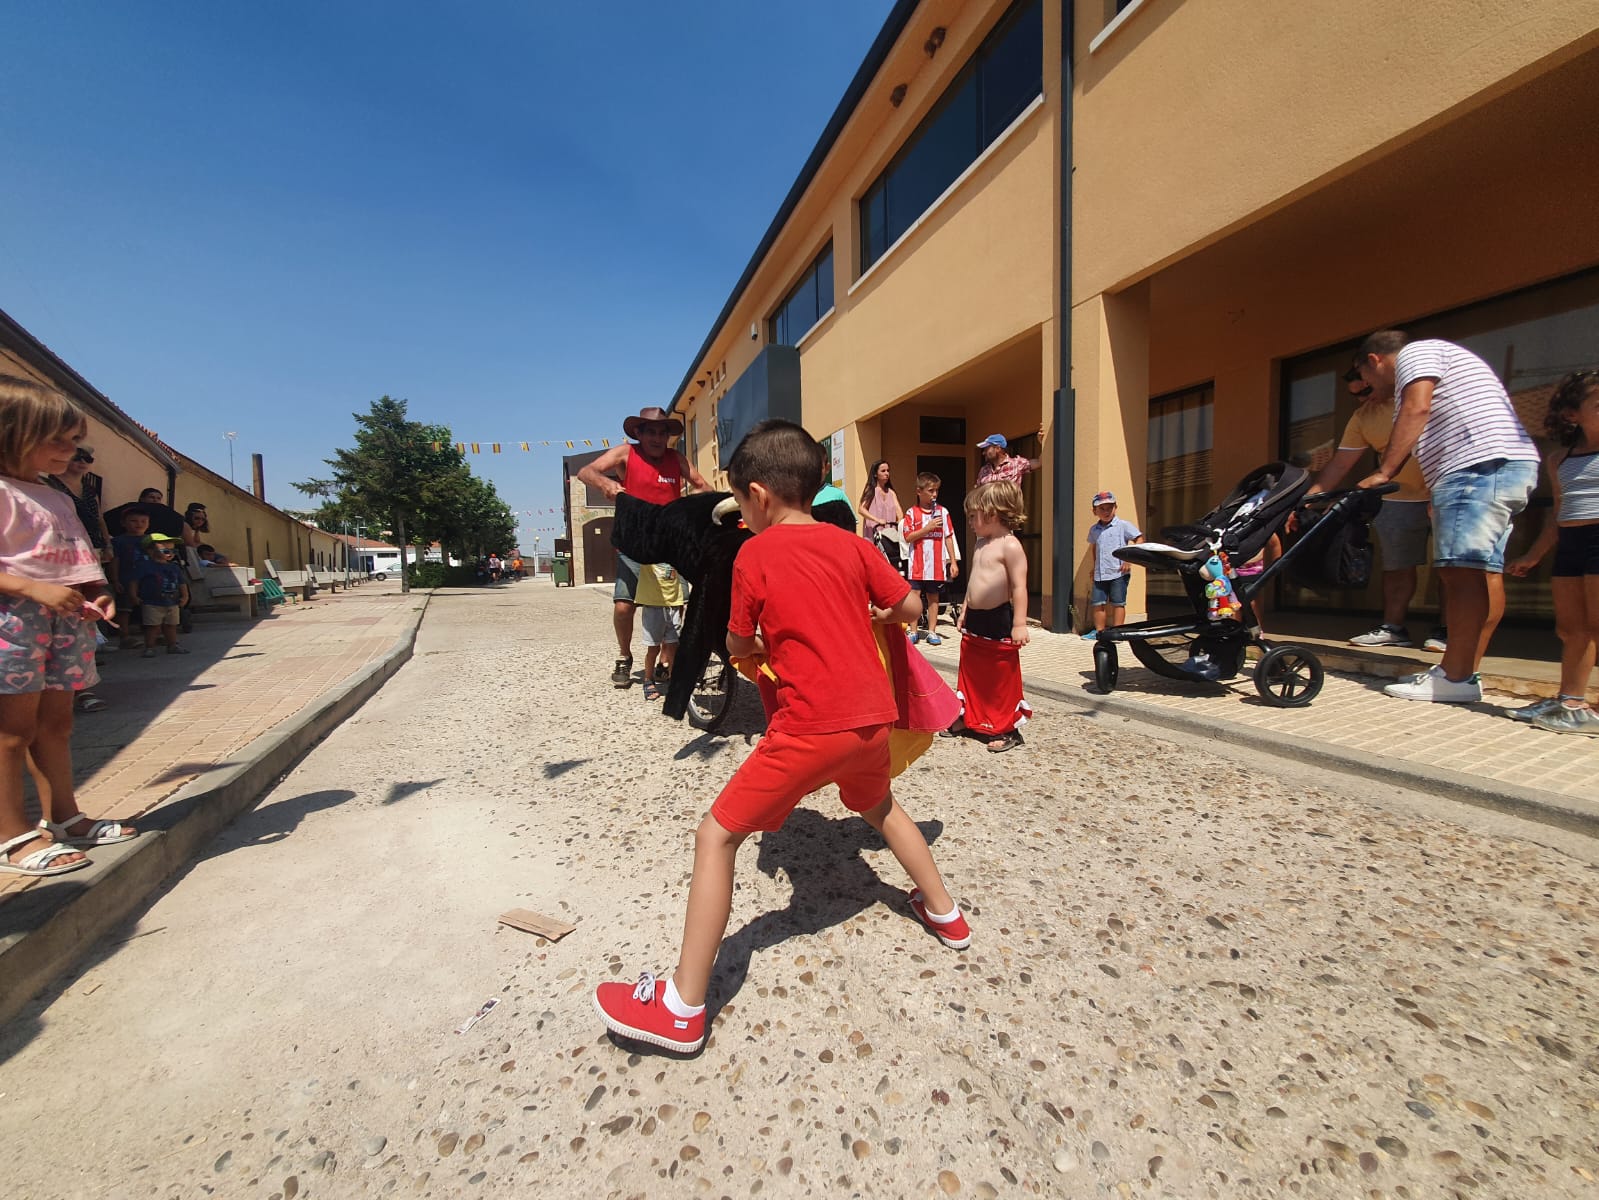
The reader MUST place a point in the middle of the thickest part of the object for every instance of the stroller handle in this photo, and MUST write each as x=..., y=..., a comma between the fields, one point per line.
x=1318, y=498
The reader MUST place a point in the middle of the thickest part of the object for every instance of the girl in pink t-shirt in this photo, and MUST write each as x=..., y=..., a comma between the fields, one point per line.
x=52, y=592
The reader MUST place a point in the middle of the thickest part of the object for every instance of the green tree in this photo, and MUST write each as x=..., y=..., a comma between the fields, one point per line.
x=401, y=475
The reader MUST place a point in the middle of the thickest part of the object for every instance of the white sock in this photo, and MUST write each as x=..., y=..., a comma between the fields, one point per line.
x=946, y=919
x=675, y=1003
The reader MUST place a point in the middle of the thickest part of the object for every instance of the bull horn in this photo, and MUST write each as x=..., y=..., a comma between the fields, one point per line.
x=723, y=508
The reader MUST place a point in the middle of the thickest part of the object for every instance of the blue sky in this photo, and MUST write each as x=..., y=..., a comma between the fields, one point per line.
x=521, y=217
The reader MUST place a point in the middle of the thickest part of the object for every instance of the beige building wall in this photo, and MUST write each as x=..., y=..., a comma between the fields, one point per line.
x=1248, y=186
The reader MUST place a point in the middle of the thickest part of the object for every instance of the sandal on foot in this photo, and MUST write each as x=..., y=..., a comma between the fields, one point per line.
x=99, y=833
x=41, y=862
x=89, y=702
x=1007, y=742
x=652, y=690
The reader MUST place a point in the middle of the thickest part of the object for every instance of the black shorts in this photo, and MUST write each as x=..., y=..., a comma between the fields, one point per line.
x=936, y=586
x=991, y=623
x=1577, y=551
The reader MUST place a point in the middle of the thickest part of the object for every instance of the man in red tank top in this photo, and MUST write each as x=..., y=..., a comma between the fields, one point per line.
x=650, y=470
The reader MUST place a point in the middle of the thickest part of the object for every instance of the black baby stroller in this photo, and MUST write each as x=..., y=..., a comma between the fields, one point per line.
x=1329, y=549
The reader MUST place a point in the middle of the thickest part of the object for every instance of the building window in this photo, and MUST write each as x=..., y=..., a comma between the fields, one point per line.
x=694, y=440
x=808, y=303
x=1179, y=489
x=942, y=431
x=1532, y=339
x=991, y=91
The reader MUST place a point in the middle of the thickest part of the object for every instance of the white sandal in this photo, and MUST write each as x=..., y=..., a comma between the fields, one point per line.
x=101, y=833
x=40, y=862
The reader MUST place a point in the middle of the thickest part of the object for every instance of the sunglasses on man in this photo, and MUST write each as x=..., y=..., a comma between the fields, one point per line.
x=83, y=456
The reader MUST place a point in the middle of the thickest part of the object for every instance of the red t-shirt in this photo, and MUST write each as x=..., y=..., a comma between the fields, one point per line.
x=806, y=588
x=656, y=482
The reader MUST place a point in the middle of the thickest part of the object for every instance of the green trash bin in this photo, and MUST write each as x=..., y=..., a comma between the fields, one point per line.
x=561, y=569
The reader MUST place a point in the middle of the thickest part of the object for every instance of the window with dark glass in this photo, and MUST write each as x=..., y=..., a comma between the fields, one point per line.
x=992, y=90
x=808, y=303
x=1179, y=489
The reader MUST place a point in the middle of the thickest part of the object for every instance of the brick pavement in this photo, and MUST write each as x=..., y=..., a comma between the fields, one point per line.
x=1351, y=715
x=173, y=717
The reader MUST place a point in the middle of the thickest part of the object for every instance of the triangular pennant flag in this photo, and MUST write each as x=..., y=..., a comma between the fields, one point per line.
x=586, y=442
x=496, y=447
x=569, y=446
x=476, y=449
x=606, y=442
x=524, y=445
x=460, y=447
x=436, y=445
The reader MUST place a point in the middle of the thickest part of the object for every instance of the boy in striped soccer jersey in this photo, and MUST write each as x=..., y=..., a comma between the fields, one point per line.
x=930, y=534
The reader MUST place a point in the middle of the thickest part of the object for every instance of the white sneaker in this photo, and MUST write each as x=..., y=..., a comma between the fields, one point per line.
x=1437, y=640
x=1383, y=635
x=1438, y=688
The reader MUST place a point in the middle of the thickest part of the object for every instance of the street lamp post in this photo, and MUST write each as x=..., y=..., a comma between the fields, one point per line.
x=230, y=437
x=535, y=556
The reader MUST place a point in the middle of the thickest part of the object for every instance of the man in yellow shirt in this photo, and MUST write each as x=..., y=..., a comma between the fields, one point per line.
x=1403, y=524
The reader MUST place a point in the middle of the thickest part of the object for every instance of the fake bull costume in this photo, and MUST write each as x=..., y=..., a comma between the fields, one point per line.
x=701, y=535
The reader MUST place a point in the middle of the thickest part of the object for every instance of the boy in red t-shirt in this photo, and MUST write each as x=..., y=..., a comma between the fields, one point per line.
x=804, y=595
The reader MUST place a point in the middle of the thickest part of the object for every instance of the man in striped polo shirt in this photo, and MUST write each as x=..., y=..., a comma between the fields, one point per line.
x=1452, y=412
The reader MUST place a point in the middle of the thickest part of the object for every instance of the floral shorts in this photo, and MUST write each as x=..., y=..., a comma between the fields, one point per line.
x=44, y=651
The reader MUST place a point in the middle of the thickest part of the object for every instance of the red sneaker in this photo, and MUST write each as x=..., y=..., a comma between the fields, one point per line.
x=957, y=935
x=639, y=1012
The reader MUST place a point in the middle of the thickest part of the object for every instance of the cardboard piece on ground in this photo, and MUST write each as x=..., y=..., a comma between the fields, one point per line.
x=529, y=921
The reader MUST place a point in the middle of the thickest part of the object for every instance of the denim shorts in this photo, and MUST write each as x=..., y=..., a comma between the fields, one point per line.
x=1110, y=591
x=626, y=578
x=42, y=650
x=1472, y=509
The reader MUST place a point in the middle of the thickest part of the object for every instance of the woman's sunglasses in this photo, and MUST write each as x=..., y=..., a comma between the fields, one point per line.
x=83, y=456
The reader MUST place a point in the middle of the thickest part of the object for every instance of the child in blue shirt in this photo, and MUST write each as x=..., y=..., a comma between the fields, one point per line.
x=160, y=590
x=1107, y=535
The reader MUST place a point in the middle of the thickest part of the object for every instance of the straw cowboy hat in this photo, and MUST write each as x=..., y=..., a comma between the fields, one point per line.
x=651, y=416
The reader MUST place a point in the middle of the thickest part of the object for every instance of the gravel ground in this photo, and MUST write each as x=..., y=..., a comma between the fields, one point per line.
x=1193, y=974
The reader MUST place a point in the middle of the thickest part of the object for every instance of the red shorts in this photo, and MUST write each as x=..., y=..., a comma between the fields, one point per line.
x=787, y=767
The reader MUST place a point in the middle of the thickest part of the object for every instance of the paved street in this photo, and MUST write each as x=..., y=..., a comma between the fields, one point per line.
x=1197, y=971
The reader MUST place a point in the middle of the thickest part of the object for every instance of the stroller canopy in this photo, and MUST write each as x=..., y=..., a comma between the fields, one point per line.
x=1253, y=511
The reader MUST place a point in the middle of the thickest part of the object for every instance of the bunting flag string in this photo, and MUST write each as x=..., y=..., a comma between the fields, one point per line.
x=497, y=447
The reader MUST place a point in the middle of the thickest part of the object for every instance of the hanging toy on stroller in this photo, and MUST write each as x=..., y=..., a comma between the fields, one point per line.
x=1331, y=550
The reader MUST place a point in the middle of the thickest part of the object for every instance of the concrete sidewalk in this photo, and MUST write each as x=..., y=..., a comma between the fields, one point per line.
x=1468, y=752
x=186, y=744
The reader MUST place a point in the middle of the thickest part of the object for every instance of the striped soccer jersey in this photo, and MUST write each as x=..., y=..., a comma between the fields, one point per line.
x=929, y=555
x=1471, y=420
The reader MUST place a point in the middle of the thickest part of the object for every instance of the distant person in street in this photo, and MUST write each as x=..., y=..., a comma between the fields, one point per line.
x=52, y=593
x=1108, y=534
x=648, y=469
x=993, y=621
x=159, y=589
x=805, y=595
x=210, y=556
x=1454, y=414
x=1000, y=464
x=880, y=511
x=1572, y=426
x=1402, y=525
x=84, y=486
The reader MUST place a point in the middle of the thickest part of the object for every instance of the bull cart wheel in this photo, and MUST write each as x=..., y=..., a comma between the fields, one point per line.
x=1106, y=667
x=1288, y=676
x=712, y=698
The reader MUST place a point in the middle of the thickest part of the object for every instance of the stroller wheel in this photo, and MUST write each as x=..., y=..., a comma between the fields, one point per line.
x=712, y=699
x=1106, y=668
x=1288, y=676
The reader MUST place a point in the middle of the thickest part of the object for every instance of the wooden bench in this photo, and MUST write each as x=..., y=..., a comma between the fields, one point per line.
x=220, y=588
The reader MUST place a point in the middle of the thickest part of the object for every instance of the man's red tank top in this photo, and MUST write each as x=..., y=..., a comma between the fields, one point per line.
x=657, y=483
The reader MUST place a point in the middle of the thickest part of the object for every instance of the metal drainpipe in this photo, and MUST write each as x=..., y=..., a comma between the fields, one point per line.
x=1065, y=414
